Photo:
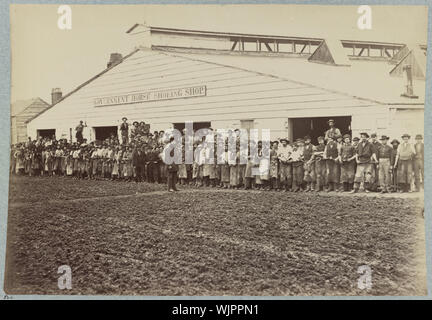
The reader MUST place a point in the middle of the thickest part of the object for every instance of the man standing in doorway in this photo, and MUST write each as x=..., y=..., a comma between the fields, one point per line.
x=79, y=132
x=333, y=131
x=124, y=130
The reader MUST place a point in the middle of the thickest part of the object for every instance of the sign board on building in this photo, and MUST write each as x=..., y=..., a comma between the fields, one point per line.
x=168, y=94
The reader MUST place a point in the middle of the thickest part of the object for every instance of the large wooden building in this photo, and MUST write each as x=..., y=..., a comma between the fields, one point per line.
x=221, y=80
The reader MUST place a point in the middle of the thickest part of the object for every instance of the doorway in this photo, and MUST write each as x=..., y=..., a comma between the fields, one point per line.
x=315, y=127
x=46, y=133
x=196, y=125
x=102, y=133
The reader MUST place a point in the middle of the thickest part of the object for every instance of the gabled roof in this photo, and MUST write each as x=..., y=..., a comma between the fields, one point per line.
x=18, y=107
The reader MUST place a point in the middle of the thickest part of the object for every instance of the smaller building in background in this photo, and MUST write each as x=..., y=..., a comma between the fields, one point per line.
x=21, y=112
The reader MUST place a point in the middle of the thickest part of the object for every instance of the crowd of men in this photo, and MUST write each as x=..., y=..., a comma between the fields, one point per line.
x=336, y=163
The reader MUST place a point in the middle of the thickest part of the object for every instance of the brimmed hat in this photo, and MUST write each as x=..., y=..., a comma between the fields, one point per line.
x=356, y=139
x=124, y=118
x=331, y=120
x=384, y=137
x=346, y=136
x=135, y=122
x=275, y=141
x=373, y=135
x=364, y=134
x=284, y=139
x=395, y=141
x=419, y=136
x=406, y=135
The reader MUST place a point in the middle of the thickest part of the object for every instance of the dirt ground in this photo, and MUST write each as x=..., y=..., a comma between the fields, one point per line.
x=137, y=239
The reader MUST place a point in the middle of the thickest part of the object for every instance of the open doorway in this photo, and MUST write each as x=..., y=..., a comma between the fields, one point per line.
x=102, y=133
x=46, y=133
x=315, y=127
x=196, y=125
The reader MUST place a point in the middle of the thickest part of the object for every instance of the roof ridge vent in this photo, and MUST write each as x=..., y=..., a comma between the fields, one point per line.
x=416, y=59
x=331, y=52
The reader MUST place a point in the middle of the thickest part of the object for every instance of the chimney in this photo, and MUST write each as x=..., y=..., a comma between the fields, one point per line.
x=56, y=95
x=115, y=58
x=409, y=87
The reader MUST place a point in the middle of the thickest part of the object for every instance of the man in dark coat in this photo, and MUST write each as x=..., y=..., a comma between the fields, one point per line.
x=365, y=154
x=172, y=169
x=124, y=130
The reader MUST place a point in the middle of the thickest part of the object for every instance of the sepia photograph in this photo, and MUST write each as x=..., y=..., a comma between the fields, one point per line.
x=216, y=150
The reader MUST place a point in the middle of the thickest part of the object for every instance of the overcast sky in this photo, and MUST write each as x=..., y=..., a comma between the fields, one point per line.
x=44, y=57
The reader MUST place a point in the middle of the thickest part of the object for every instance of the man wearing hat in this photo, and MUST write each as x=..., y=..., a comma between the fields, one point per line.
x=274, y=165
x=124, y=131
x=333, y=131
x=355, y=142
x=320, y=164
x=419, y=162
x=347, y=158
x=79, y=132
x=395, y=144
x=285, y=169
x=404, y=164
x=297, y=165
x=309, y=166
x=135, y=131
x=172, y=168
x=374, y=166
x=384, y=164
x=331, y=154
x=364, y=157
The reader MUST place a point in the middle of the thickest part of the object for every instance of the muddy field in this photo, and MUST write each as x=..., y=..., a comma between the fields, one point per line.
x=137, y=239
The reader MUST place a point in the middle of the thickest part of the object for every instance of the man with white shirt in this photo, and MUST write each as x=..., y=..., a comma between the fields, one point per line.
x=284, y=156
x=403, y=163
x=297, y=165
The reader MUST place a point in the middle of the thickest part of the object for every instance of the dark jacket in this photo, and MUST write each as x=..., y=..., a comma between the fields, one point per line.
x=364, y=152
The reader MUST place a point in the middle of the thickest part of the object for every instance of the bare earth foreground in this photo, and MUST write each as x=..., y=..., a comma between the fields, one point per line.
x=137, y=239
